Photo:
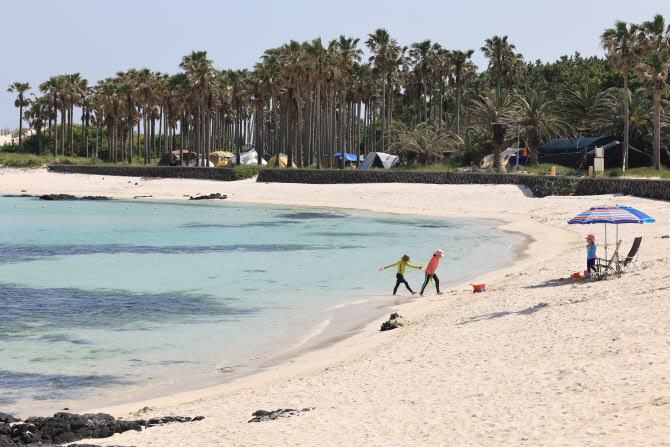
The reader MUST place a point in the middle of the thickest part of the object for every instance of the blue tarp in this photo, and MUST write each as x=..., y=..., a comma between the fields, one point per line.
x=347, y=157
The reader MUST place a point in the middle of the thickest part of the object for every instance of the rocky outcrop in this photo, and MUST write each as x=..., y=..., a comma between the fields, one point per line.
x=66, y=427
x=71, y=197
x=262, y=415
x=209, y=197
x=395, y=321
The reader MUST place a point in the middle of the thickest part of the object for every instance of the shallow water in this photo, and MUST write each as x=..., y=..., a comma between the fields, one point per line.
x=97, y=299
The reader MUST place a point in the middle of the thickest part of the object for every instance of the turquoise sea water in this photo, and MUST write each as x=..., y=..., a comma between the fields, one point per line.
x=97, y=299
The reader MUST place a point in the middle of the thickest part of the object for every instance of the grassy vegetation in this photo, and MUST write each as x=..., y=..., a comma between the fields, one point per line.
x=444, y=165
x=245, y=171
x=11, y=160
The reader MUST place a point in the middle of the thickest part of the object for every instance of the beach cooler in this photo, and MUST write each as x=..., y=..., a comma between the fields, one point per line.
x=478, y=288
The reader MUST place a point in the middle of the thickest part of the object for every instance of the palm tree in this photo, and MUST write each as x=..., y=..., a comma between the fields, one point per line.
x=495, y=109
x=424, y=140
x=608, y=117
x=35, y=115
x=462, y=71
x=505, y=63
x=422, y=57
x=540, y=120
x=621, y=44
x=654, y=69
x=384, y=49
x=53, y=87
x=201, y=74
x=21, y=101
x=579, y=106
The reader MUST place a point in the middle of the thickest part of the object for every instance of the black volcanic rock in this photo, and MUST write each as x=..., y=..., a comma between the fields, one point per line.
x=71, y=197
x=262, y=415
x=215, y=195
x=65, y=427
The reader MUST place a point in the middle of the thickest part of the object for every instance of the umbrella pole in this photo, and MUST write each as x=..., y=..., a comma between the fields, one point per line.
x=606, y=257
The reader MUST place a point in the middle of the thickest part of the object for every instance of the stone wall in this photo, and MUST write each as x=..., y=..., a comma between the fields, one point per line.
x=540, y=185
x=651, y=189
x=223, y=174
x=333, y=176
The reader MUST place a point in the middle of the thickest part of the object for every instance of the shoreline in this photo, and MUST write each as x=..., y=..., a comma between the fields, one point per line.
x=303, y=342
x=533, y=360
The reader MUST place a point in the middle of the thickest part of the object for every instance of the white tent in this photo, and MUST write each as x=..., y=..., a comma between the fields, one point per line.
x=504, y=157
x=380, y=160
x=250, y=157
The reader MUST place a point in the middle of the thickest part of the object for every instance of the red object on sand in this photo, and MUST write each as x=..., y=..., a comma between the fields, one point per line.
x=479, y=287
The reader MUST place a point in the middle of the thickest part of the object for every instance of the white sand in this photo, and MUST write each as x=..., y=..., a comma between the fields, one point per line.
x=590, y=368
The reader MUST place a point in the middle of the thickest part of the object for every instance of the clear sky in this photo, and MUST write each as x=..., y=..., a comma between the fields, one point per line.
x=42, y=38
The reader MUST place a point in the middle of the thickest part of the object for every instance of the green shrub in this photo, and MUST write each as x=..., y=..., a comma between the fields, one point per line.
x=245, y=171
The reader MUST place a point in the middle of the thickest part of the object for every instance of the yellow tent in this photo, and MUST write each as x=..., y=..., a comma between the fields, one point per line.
x=220, y=156
x=283, y=161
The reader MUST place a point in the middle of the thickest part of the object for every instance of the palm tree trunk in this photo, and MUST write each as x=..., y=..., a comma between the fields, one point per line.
x=71, y=129
x=317, y=138
x=343, y=130
x=657, y=129
x=498, y=140
x=39, y=137
x=55, y=128
x=383, y=109
x=626, y=120
x=20, y=123
x=88, y=116
x=425, y=102
x=441, y=101
x=458, y=110
x=63, y=115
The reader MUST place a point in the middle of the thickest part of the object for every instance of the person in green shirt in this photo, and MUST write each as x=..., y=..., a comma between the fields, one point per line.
x=400, y=276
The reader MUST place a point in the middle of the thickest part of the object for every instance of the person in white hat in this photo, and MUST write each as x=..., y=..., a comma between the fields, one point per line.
x=430, y=272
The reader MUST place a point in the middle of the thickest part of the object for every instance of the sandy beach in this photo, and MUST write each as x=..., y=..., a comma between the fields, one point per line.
x=533, y=361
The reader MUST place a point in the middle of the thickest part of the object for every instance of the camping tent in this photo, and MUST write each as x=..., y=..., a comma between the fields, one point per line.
x=578, y=152
x=283, y=161
x=172, y=159
x=505, y=156
x=350, y=160
x=250, y=157
x=380, y=160
x=221, y=158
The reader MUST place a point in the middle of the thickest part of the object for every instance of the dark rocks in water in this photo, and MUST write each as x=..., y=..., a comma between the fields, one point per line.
x=262, y=415
x=17, y=195
x=215, y=195
x=96, y=198
x=58, y=197
x=65, y=427
x=71, y=197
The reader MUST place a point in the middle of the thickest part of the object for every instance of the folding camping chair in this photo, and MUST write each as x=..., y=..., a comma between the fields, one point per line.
x=605, y=268
x=631, y=259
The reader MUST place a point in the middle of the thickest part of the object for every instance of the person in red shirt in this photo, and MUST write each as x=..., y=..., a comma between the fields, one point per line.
x=430, y=272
